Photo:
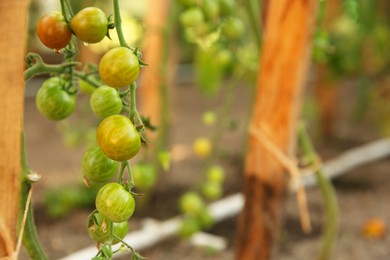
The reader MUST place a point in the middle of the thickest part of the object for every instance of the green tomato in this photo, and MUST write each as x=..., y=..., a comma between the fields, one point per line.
x=224, y=57
x=114, y=202
x=191, y=203
x=212, y=190
x=189, y=226
x=188, y=2
x=191, y=17
x=90, y=25
x=227, y=7
x=118, y=138
x=53, y=101
x=99, y=229
x=106, y=101
x=119, y=67
x=233, y=28
x=86, y=87
x=209, y=118
x=204, y=218
x=211, y=9
x=97, y=167
x=144, y=176
x=215, y=174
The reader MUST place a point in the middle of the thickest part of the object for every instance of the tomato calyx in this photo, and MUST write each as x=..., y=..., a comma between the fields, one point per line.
x=110, y=25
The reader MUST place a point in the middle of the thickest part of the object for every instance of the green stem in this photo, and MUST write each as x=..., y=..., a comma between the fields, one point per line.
x=253, y=9
x=123, y=168
x=118, y=24
x=133, y=114
x=223, y=114
x=30, y=238
x=131, y=179
x=88, y=78
x=328, y=193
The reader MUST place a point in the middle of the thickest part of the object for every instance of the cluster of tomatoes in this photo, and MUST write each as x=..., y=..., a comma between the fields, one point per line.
x=117, y=138
x=203, y=18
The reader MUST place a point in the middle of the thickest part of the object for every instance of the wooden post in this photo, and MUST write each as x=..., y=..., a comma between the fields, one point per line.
x=13, y=29
x=284, y=61
x=152, y=76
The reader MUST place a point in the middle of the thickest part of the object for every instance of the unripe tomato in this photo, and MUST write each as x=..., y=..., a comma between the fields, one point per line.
x=209, y=118
x=188, y=2
x=106, y=101
x=119, y=67
x=53, y=31
x=114, y=202
x=97, y=167
x=224, y=57
x=215, y=174
x=227, y=7
x=118, y=138
x=191, y=17
x=189, y=226
x=202, y=147
x=86, y=87
x=211, y=9
x=191, y=203
x=101, y=229
x=204, y=218
x=53, y=101
x=144, y=176
x=233, y=28
x=90, y=25
x=212, y=190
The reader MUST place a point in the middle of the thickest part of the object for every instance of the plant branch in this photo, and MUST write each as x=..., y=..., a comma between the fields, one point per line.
x=328, y=193
x=118, y=24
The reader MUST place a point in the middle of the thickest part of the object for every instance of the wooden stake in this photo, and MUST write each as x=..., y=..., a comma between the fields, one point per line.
x=12, y=47
x=283, y=66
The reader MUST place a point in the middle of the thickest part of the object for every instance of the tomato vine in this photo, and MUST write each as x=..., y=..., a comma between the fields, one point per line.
x=114, y=202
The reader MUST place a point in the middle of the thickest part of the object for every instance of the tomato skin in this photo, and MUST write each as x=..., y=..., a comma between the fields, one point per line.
x=100, y=231
x=144, y=176
x=212, y=190
x=191, y=203
x=90, y=25
x=233, y=28
x=53, y=101
x=53, y=31
x=106, y=101
x=114, y=202
x=191, y=17
x=119, y=67
x=202, y=147
x=118, y=138
x=97, y=167
x=215, y=174
x=85, y=87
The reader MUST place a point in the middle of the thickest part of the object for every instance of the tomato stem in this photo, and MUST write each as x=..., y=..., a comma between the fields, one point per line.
x=328, y=193
x=133, y=114
x=39, y=67
x=118, y=24
x=30, y=238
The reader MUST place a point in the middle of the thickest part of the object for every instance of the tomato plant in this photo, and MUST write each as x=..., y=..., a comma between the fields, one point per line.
x=99, y=229
x=106, y=101
x=53, y=31
x=118, y=138
x=54, y=100
x=97, y=167
x=192, y=16
x=119, y=67
x=202, y=147
x=90, y=25
x=114, y=202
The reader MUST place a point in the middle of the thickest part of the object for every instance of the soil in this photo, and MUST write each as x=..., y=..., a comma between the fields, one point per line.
x=362, y=193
